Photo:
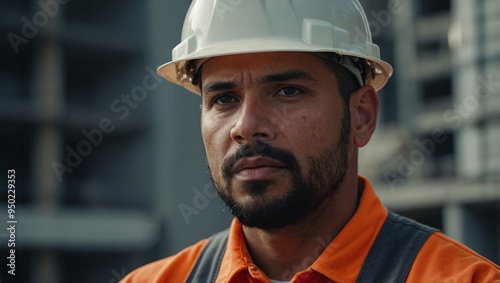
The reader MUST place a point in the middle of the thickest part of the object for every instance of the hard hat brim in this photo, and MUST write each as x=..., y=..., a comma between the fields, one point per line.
x=174, y=70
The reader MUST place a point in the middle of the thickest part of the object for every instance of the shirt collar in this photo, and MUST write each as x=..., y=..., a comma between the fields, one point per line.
x=343, y=257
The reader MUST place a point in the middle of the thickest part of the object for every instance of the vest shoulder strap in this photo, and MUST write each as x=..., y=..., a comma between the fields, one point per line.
x=208, y=263
x=389, y=259
x=394, y=250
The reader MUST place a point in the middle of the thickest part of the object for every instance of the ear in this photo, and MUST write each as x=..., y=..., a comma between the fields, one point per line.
x=364, y=105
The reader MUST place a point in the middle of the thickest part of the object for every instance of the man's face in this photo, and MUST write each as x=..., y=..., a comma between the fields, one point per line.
x=276, y=134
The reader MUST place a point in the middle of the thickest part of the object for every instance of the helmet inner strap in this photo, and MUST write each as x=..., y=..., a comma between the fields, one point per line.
x=354, y=65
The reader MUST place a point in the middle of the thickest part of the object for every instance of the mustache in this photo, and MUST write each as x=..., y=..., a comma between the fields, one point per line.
x=260, y=149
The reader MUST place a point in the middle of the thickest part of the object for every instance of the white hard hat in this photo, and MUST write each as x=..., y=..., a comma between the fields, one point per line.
x=225, y=27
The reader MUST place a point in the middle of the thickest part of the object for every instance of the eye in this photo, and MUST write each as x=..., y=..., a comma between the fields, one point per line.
x=289, y=91
x=224, y=99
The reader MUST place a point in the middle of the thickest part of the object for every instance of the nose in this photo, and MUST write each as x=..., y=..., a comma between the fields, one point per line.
x=253, y=123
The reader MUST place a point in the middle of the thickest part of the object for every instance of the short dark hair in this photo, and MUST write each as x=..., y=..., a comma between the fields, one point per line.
x=346, y=81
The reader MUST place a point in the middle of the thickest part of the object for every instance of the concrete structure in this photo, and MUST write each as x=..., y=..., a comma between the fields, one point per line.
x=105, y=152
x=437, y=158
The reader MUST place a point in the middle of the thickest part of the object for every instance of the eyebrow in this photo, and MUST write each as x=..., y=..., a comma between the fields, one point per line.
x=217, y=86
x=271, y=78
x=288, y=76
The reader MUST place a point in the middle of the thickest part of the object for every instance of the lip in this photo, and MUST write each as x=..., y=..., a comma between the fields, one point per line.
x=257, y=168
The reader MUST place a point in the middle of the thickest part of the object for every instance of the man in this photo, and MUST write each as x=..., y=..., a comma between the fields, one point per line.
x=288, y=94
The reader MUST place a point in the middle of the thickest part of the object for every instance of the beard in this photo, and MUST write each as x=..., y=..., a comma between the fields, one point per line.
x=308, y=189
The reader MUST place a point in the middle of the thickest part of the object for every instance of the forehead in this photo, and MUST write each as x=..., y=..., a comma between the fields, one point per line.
x=254, y=66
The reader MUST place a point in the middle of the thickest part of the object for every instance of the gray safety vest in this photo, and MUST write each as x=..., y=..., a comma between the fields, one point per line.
x=389, y=259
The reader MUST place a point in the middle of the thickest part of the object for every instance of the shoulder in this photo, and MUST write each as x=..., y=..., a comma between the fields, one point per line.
x=171, y=269
x=443, y=259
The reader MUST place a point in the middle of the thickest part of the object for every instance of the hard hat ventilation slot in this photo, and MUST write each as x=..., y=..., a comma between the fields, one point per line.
x=322, y=33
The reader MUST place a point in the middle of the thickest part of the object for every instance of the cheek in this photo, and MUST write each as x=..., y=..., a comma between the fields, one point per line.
x=207, y=134
x=291, y=121
x=209, y=129
x=312, y=128
x=215, y=143
x=324, y=130
x=318, y=133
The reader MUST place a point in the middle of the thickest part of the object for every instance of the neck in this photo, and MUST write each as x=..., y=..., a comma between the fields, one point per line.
x=283, y=252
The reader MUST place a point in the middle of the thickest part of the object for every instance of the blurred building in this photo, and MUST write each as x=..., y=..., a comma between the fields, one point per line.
x=110, y=167
x=435, y=156
x=106, y=154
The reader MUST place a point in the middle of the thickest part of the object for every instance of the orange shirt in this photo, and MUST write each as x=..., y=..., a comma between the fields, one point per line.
x=441, y=259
